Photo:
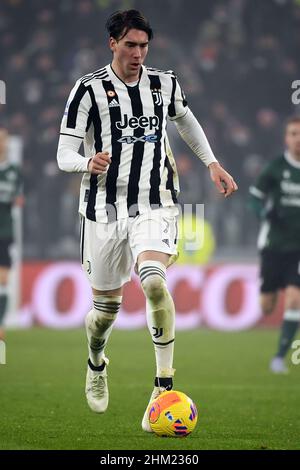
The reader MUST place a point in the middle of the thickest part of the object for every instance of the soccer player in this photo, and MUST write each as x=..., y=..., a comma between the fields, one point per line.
x=10, y=188
x=129, y=190
x=275, y=198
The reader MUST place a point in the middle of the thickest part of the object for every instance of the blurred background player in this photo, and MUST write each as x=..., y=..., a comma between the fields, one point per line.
x=275, y=198
x=10, y=194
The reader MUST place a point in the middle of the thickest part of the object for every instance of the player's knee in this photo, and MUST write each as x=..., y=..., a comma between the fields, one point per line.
x=267, y=309
x=292, y=303
x=103, y=321
x=104, y=313
x=154, y=288
x=292, y=298
x=3, y=278
x=99, y=321
x=267, y=305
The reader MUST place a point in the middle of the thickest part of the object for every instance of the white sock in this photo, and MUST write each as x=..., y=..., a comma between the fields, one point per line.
x=99, y=324
x=160, y=315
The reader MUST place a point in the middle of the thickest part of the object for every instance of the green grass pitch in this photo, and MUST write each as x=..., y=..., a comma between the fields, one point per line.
x=240, y=404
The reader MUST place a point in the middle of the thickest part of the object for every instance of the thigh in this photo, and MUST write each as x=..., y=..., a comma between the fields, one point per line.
x=271, y=272
x=155, y=234
x=5, y=259
x=292, y=298
x=292, y=269
x=292, y=281
x=4, y=275
x=268, y=302
x=105, y=254
x=149, y=255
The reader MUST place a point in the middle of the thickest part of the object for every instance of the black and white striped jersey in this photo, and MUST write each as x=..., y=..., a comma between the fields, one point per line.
x=129, y=122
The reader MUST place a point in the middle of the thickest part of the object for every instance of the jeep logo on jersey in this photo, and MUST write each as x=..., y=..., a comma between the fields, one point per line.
x=144, y=122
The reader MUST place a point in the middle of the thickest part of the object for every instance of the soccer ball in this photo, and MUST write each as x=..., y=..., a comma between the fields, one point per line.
x=172, y=414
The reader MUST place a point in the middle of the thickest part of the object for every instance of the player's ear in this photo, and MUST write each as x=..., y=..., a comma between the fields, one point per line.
x=112, y=44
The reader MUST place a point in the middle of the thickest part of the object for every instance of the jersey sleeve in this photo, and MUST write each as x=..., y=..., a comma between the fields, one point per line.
x=76, y=114
x=264, y=184
x=178, y=105
x=74, y=126
x=19, y=183
x=193, y=134
x=260, y=191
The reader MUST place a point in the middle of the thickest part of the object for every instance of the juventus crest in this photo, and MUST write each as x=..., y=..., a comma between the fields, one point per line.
x=157, y=97
x=158, y=332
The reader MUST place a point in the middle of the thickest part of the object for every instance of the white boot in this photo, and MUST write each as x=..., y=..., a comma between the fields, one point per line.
x=96, y=389
x=167, y=373
x=277, y=366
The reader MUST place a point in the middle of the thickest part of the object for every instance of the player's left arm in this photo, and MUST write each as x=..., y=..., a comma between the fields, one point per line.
x=192, y=133
x=260, y=192
x=19, y=194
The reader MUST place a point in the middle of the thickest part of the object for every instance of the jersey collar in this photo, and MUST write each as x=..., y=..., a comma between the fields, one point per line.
x=114, y=76
x=291, y=160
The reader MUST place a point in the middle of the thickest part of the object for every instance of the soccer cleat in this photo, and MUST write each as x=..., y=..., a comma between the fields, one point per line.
x=145, y=422
x=96, y=388
x=277, y=366
x=156, y=392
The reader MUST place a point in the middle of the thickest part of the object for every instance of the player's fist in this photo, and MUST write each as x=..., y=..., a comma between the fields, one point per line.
x=222, y=180
x=98, y=164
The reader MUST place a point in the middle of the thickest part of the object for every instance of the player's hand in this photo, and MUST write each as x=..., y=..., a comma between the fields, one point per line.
x=98, y=164
x=19, y=201
x=222, y=180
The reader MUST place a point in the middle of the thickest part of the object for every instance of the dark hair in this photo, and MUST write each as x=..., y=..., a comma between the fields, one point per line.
x=292, y=120
x=120, y=22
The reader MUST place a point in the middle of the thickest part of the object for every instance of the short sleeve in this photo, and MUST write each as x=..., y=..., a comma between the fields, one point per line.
x=19, y=183
x=264, y=183
x=178, y=106
x=75, y=118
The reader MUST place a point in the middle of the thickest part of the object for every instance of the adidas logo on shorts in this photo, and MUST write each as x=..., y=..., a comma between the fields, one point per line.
x=166, y=241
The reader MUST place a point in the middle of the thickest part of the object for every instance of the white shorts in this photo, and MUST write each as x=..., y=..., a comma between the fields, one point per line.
x=109, y=250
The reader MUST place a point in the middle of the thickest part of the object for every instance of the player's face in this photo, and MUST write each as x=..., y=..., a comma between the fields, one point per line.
x=292, y=138
x=129, y=53
x=3, y=142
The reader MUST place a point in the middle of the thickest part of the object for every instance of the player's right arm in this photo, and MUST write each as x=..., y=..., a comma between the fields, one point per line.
x=72, y=132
